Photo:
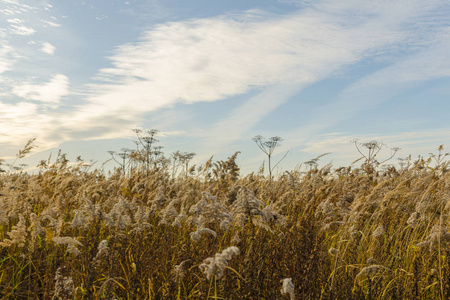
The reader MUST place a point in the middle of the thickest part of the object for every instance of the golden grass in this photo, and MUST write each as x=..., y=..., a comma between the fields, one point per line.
x=346, y=234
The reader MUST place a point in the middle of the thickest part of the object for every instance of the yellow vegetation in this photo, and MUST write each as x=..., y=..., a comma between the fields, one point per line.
x=70, y=233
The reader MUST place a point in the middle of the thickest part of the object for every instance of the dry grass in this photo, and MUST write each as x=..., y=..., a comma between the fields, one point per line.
x=344, y=234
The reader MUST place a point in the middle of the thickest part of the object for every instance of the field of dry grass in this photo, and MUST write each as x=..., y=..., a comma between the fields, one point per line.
x=143, y=233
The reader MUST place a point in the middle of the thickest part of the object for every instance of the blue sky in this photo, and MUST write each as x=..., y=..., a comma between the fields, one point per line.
x=79, y=75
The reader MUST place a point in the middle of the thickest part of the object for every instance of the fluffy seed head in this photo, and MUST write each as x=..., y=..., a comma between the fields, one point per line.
x=334, y=251
x=288, y=288
x=214, y=266
x=369, y=271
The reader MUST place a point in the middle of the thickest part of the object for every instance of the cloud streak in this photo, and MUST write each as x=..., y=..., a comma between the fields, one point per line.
x=273, y=56
x=50, y=92
x=6, y=57
x=48, y=48
x=428, y=63
x=21, y=30
x=211, y=59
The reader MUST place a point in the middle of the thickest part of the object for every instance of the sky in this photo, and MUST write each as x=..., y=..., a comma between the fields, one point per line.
x=212, y=74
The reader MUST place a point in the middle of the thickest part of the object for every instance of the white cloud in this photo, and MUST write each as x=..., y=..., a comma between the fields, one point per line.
x=246, y=116
x=205, y=60
x=21, y=121
x=7, y=12
x=214, y=58
x=50, y=92
x=18, y=7
x=427, y=64
x=48, y=48
x=15, y=119
x=12, y=116
x=50, y=23
x=6, y=59
x=210, y=59
x=22, y=30
x=15, y=21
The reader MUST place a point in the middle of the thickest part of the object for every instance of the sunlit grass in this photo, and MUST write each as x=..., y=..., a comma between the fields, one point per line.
x=148, y=232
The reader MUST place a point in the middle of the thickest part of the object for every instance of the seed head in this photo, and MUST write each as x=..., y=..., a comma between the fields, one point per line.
x=64, y=286
x=197, y=235
x=213, y=266
x=334, y=251
x=369, y=271
x=378, y=232
x=288, y=288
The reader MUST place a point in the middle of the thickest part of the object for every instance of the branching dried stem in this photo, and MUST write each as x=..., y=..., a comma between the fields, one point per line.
x=268, y=148
x=373, y=148
x=75, y=233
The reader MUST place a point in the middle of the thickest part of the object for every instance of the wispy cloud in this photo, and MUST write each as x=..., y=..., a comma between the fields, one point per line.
x=428, y=63
x=6, y=57
x=234, y=54
x=50, y=92
x=351, y=45
x=273, y=56
x=21, y=30
x=48, y=48
x=14, y=21
x=50, y=23
x=15, y=7
x=16, y=12
x=15, y=119
x=245, y=116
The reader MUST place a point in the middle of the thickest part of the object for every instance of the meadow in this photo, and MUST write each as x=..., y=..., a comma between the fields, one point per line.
x=156, y=228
